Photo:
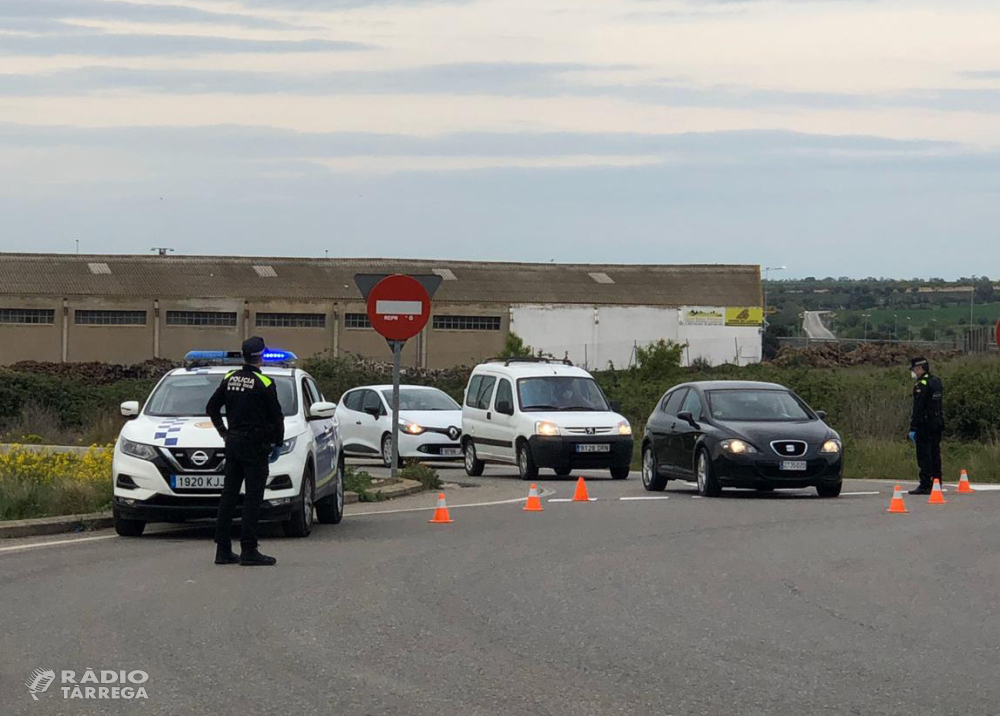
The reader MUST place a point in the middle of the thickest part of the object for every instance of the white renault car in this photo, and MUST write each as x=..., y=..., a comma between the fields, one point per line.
x=169, y=460
x=535, y=413
x=430, y=423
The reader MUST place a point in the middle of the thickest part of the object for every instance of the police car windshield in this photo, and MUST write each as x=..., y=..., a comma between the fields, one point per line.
x=751, y=405
x=413, y=399
x=187, y=395
x=561, y=393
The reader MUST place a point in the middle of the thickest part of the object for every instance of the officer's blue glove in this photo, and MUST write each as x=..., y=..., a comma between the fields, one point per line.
x=274, y=454
x=912, y=436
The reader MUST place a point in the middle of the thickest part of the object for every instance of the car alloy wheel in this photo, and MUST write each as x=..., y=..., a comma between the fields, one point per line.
x=702, y=472
x=470, y=458
x=647, y=467
x=387, y=452
x=307, y=506
x=340, y=488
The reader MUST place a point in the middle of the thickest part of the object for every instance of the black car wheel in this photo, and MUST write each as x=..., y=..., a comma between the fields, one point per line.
x=829, y=489
x=301, y=522
x=708, y=483
x=330, y=510
x=473, y=466
x=526, y=463
x=651, y=478
x=128, y=528
x=563, y=471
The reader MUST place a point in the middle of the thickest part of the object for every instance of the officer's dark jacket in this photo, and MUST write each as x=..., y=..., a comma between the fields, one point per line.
x=252, y=407
x=928, y=395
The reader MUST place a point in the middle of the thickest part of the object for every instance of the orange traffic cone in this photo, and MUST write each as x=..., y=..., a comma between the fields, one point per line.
x=533, y=504
x=937, y=497
x=581, y=492
x=964, y=488
x=441, y=516
x=896, y=507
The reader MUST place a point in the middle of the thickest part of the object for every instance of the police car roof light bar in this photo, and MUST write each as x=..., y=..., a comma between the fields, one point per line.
x=206, y=358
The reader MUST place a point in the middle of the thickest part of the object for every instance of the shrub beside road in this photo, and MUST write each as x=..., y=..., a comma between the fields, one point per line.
x=41, y=484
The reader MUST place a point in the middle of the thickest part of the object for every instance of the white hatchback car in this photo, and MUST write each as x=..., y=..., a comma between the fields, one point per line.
x=430, y=423
x=169, y=460
x=537, y=413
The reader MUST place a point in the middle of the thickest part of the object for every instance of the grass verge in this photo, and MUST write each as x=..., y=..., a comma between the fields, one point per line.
x=36, y=484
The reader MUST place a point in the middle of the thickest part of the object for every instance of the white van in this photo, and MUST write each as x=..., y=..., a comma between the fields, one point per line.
x=535, y=413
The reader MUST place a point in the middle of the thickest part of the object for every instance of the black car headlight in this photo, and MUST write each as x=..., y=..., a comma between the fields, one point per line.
x=831, y=447
x=737, y=447
x=139, y=450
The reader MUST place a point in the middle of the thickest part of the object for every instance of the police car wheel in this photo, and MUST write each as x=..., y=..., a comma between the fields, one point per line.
x=301, y=522
x=330, y=510
x=128, y=528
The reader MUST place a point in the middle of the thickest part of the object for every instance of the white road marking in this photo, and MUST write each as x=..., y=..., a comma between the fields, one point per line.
x=848, y=494
x=78, y=540
x=570, y=499
x=649, y=497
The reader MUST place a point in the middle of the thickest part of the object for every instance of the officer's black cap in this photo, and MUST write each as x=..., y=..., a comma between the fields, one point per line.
x=922, y=362
x=253, y=347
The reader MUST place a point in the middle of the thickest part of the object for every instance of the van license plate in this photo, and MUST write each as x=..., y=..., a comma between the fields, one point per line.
x=794, y=465
x=197, y=482
x=593, y=447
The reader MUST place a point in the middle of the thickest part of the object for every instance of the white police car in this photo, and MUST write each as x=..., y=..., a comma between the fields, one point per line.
x=169, y=460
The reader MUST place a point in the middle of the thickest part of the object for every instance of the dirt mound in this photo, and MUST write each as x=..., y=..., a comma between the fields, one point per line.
x=839, y=355
x=96, y=373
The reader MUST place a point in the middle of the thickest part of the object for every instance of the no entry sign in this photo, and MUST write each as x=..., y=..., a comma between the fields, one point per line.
x=398, y=307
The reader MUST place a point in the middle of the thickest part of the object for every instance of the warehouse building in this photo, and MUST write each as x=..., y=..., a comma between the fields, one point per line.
x=127, y=309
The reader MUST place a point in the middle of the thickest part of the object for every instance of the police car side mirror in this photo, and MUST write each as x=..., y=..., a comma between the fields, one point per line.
x=322, y=410
x=130, y=408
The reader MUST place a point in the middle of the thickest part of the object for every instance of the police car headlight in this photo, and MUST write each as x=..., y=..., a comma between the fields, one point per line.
x=737, y=447
x=830, y=447
x=287, y=446
x=139, y=450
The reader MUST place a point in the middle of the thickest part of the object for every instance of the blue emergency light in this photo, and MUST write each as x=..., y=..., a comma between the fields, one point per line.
x=203, y=358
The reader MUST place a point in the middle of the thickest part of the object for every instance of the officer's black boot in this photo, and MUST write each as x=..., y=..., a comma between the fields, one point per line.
x=253, y=558
x=224, y=555
x=921, y=490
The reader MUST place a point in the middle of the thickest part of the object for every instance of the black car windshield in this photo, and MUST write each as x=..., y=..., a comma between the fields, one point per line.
x=560, y=393
x=422, y=399
x=187, y=395
x=747, y=405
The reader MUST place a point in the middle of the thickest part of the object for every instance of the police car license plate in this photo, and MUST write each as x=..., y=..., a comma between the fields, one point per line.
x=451, y=452
x=197, y=482
x=593, y=447
x=794, y=465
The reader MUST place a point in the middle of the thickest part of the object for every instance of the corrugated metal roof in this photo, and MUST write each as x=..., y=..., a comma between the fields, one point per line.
x=333, y=279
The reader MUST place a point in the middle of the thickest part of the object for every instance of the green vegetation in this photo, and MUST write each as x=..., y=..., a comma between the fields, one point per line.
x=515, y=347
x=424, y=474
x=44, y=484
x=360, y=482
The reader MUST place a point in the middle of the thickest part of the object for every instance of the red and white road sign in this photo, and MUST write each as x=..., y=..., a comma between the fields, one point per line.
x=399, y=307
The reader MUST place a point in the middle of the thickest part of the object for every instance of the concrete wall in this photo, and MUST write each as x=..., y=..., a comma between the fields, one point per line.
x=31, y=341
x=447, y=347
x=132, y=344
x=595, y=336
x=175, y=341
x=303, y=341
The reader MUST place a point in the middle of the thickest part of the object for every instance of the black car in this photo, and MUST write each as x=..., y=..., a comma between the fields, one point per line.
x=740, y=434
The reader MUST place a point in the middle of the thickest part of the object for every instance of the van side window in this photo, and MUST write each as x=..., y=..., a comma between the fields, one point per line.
x=485, y=392
x=472, y=393
x=505, y=393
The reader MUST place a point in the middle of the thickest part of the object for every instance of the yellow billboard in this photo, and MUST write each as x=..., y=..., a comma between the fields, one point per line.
x=745, y=316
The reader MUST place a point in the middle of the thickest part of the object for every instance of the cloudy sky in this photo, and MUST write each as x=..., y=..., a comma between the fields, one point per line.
x=838, y=137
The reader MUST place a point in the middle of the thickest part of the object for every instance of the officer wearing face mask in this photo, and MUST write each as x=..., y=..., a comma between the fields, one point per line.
x=926, y=423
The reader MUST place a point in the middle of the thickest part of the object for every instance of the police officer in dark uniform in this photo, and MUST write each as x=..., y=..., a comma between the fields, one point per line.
x=926, y=423
x=256, y=426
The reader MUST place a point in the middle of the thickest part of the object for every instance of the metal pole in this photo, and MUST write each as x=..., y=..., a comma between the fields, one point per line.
x=397, y=356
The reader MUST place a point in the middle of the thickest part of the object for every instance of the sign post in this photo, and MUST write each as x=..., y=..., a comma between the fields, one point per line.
x=399, y=307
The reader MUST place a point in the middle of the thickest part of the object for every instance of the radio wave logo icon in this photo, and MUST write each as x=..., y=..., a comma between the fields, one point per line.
x=40, y=681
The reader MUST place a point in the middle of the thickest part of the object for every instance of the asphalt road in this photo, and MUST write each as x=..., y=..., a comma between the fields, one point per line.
x=812, y=324
x=778, y=603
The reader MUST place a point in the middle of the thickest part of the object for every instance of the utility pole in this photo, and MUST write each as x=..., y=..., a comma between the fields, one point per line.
x=767, y=271
x=866, y=316
x=972, y=302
